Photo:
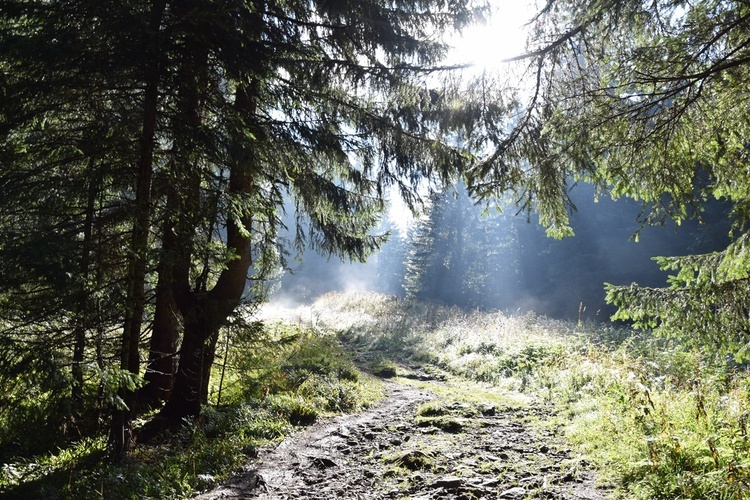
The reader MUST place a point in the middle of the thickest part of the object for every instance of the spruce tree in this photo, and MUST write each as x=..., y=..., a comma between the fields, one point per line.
x=462, y=253
x=646, y=100
x=164, y=137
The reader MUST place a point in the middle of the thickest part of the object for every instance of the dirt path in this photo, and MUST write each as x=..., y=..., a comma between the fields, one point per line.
x=450, y=450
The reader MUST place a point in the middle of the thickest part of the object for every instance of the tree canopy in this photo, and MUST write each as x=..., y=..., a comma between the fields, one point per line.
x=647, y=100
x=147, y=148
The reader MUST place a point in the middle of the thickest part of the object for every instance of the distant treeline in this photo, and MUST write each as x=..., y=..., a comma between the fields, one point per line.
x=474, y=256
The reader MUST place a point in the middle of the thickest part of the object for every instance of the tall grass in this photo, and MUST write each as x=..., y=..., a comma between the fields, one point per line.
x=658, y=419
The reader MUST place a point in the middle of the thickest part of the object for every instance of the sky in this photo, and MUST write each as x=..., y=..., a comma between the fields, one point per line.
x=485, y=46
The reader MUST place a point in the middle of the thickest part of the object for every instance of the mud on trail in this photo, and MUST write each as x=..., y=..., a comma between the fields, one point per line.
x=417, y=444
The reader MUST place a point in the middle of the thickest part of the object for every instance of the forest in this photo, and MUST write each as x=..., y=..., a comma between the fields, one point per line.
x=201, y=255
x=461, y=254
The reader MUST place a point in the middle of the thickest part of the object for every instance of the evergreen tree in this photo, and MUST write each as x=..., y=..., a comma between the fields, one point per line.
x=187, y=124
x=65, y=176
x=464, y=255
x=646, y=100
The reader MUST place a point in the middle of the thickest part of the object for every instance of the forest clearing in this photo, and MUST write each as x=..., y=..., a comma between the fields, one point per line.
x=512, y=237
x=477, y=405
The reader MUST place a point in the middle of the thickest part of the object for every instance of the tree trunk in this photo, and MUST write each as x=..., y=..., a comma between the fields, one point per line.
x=184, y=401
x=121, y=437
x=209, y=354
x=82, y=321
x=205, y=312
x=81, y=317
x=165, y=338
x=208, y=314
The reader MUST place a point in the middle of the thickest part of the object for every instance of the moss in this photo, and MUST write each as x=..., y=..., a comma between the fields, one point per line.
x=386, y=369
x=445, y=423
x=412, y=460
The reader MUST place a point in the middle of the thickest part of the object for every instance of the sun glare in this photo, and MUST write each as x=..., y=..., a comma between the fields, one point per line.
x=483, y=47
x=486, y=46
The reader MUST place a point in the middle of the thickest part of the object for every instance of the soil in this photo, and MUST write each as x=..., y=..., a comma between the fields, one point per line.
x=451, y=449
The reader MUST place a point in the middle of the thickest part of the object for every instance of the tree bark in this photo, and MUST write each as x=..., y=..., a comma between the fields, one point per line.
x=184, y=400
x=165, y=338
x=121, y=436
x=205, y=312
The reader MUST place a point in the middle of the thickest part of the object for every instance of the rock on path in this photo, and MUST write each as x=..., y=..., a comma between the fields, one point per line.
x=467, y=451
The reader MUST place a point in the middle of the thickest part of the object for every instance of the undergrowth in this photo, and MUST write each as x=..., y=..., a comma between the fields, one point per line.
x=287, y=376
x=656, y=418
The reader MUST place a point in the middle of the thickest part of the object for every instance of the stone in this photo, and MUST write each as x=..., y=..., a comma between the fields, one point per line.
x=323, y=462
x=448, y=482
x=517, y=492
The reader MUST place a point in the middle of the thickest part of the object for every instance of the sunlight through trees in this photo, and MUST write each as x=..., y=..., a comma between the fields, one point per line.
x=161, y=161
x=151, y=145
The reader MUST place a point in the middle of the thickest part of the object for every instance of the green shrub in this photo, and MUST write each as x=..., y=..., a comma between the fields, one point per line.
x=295, y=409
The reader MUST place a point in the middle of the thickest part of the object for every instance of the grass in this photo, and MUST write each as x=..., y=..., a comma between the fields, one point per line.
x=656, y=418
x=283, y=377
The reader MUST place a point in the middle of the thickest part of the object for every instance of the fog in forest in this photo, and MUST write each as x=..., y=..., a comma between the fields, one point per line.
x=461, y=254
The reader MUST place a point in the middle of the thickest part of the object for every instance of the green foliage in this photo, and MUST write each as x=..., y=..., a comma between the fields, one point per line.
x=671, y=424
x=704, y=303
x=645, y=100
x=384, y=368
x=113, y=379
x=295, y=409
x=278, y=378
x=288, y=357
x=34, y=394
x=191, y=459
x=431, y=409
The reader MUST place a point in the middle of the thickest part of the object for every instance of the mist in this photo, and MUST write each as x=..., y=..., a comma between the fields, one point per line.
x=460, y=254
